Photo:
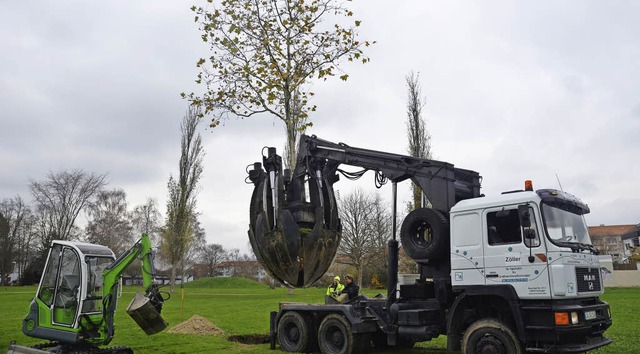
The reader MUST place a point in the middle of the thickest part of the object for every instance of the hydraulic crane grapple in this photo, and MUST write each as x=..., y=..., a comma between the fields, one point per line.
x=294, y=232
x=294, y=226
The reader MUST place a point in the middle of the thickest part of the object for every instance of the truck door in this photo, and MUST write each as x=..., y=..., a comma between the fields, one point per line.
x=507, y=253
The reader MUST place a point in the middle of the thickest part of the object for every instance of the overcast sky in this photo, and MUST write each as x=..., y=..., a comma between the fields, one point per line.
x=515, y=90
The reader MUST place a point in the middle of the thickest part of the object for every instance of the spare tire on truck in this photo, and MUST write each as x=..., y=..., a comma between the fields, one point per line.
x=425, y=234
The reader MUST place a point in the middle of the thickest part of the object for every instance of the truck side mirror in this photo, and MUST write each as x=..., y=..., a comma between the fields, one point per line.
x=529, y=234
x=525, y=216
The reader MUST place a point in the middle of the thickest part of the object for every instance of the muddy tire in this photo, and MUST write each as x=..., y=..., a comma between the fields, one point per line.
x=490, y=336
x=425, y=234
x=335, y=337
x=293, y=333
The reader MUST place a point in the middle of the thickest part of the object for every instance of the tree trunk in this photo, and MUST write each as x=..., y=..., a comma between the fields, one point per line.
x=417, y=196
x=173, y=279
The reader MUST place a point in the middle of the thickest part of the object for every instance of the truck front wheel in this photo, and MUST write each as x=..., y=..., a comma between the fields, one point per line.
x=490, y=336
x=293, y=333
x=335, y=337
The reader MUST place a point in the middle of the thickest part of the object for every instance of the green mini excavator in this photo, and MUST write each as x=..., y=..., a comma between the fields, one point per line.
x=75, y=303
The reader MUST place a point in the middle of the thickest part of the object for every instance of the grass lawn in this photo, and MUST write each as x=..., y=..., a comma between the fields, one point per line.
x=241, y=307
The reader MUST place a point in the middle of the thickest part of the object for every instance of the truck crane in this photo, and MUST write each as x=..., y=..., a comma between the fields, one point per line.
x=507, y=274
x=76, y=299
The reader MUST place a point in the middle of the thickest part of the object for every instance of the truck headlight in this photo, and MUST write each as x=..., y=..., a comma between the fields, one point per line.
x=574, y=317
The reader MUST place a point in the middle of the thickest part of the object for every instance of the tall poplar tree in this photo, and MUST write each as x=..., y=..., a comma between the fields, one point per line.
x=178, y=233
x=417, y=132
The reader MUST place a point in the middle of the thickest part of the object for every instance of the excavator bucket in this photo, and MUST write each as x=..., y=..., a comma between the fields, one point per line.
x=143, y=311
x=294, y=227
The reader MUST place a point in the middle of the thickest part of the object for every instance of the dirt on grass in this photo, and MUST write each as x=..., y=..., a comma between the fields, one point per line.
x=196, y=325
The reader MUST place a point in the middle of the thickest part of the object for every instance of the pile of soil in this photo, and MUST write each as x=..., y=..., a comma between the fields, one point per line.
x=196, y=325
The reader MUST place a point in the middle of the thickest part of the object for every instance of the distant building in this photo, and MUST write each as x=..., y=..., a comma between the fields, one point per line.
x=613, y=240
x=246, y=269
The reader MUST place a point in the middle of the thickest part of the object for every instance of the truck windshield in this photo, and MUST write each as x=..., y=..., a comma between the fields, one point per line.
x=565, y=227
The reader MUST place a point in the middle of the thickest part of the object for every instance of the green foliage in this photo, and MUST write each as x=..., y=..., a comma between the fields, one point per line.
x=264, y=53
x=635, y=256
x=376, y=283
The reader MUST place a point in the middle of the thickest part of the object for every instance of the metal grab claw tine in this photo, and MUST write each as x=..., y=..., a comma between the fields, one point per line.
x=292, y=252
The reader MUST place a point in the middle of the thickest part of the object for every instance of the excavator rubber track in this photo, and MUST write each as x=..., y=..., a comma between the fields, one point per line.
x=59, y=348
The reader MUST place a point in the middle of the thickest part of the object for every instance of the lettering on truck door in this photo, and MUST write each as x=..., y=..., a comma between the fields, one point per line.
x=507, y=253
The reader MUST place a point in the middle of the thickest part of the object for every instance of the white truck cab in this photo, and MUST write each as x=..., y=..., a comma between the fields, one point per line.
x=557, y=260
x=533, y=247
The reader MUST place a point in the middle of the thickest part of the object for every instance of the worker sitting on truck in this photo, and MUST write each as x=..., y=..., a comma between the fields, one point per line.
x=350, y=291
x=335, y=288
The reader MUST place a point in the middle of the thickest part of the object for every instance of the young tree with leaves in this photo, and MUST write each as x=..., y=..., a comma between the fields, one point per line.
x=178, y=233
x=265, y=53
x=417, y=132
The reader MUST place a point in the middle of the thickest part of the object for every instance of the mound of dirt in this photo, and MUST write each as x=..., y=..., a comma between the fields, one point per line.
x=196, y=325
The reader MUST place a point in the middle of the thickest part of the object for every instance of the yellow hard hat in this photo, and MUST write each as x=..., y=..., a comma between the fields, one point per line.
x=336, y=278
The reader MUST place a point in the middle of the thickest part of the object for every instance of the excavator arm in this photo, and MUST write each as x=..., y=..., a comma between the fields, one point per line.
x=144, y=309
x=294, y=225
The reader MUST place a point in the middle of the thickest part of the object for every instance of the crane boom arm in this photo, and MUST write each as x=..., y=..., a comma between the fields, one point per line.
x=443, y=183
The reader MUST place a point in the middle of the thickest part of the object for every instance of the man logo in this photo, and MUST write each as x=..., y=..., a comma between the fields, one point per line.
x=589, y=277
x=591, y=286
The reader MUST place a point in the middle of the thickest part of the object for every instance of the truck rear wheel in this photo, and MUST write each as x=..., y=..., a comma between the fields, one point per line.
x=490, y=336
x=425, y=234
x=293, y=333
x=335, y=337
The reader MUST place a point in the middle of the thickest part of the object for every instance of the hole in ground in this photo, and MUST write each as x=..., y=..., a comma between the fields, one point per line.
x=250, y=338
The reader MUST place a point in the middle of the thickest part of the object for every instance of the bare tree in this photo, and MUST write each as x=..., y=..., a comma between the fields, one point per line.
x=13, y=211
x=212, y=255
x=60, y=198
x=417, y=133
x=145, y=219
x=178, y=233
x=197, y=246
x=109, y=221
x=6, y=244
x=26, y=242
x=355, y=215
x=380, y=229
x=266, y=52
